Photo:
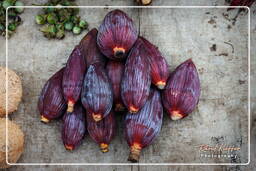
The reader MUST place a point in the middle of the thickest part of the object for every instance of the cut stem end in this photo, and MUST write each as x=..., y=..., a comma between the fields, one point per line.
x=70, y=107
x=96, y=117
x=44, y=119
x=135, y=150
x=119, y=52
x=161, y=85
x=104, y=147
x=175, y=115
x=69, y=147
x=133, y=109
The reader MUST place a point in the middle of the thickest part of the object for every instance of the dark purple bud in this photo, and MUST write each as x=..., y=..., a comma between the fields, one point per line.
x=73, y=128
x=73, y=77
x=115, y=71
x=182, y=92
x=97, y=96
x=158, y=64
x=117, y=34
x=51, y=103
x=102, y=132
x=143, y=128
x=90, y=49
x=135, y=86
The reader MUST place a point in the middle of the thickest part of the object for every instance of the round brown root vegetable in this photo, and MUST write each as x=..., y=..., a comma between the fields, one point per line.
x=15, y=143
x=14, y=91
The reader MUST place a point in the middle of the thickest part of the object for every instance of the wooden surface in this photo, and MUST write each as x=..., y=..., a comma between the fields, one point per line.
x=221, y=116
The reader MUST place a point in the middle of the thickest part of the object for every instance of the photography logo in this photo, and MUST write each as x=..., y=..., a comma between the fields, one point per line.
x=218, y=151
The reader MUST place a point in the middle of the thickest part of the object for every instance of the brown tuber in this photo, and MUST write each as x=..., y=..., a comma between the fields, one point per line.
x=14, y=91
x=15, y=143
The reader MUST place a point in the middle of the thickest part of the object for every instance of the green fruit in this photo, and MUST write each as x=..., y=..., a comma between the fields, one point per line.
x=76, y=30
x=83, y=24
x=52, y=29
x=12, y=26
x=40, y=19
x=75, y=19
x=7, y=3
x=60, y=26
x=52, y=18
x=64, y=15
x=20, y=9
x=49, y=30
x=69, y=26
x=60, y=34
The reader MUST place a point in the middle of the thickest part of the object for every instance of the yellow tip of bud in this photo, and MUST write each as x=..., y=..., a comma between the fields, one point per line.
x=69, y=147
x=175, y=115
x=96, y=117
x=70, y=106
x=104, y=147
x=44, y=119
x=133, y=109
x=161, y=85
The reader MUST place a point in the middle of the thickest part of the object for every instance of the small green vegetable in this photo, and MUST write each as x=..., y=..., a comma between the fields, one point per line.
x=83, y=24
x=52, y=18
x=7, y=3
x=69, y=26
x=12, y=13
x=20, y=9
x=60, y=34
x=49, y=30
x=40, y=19
x=60, y=26
x=76, y=30
x=64, y=15
x=12, y=27
x=52, y=29
x=75, y=19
